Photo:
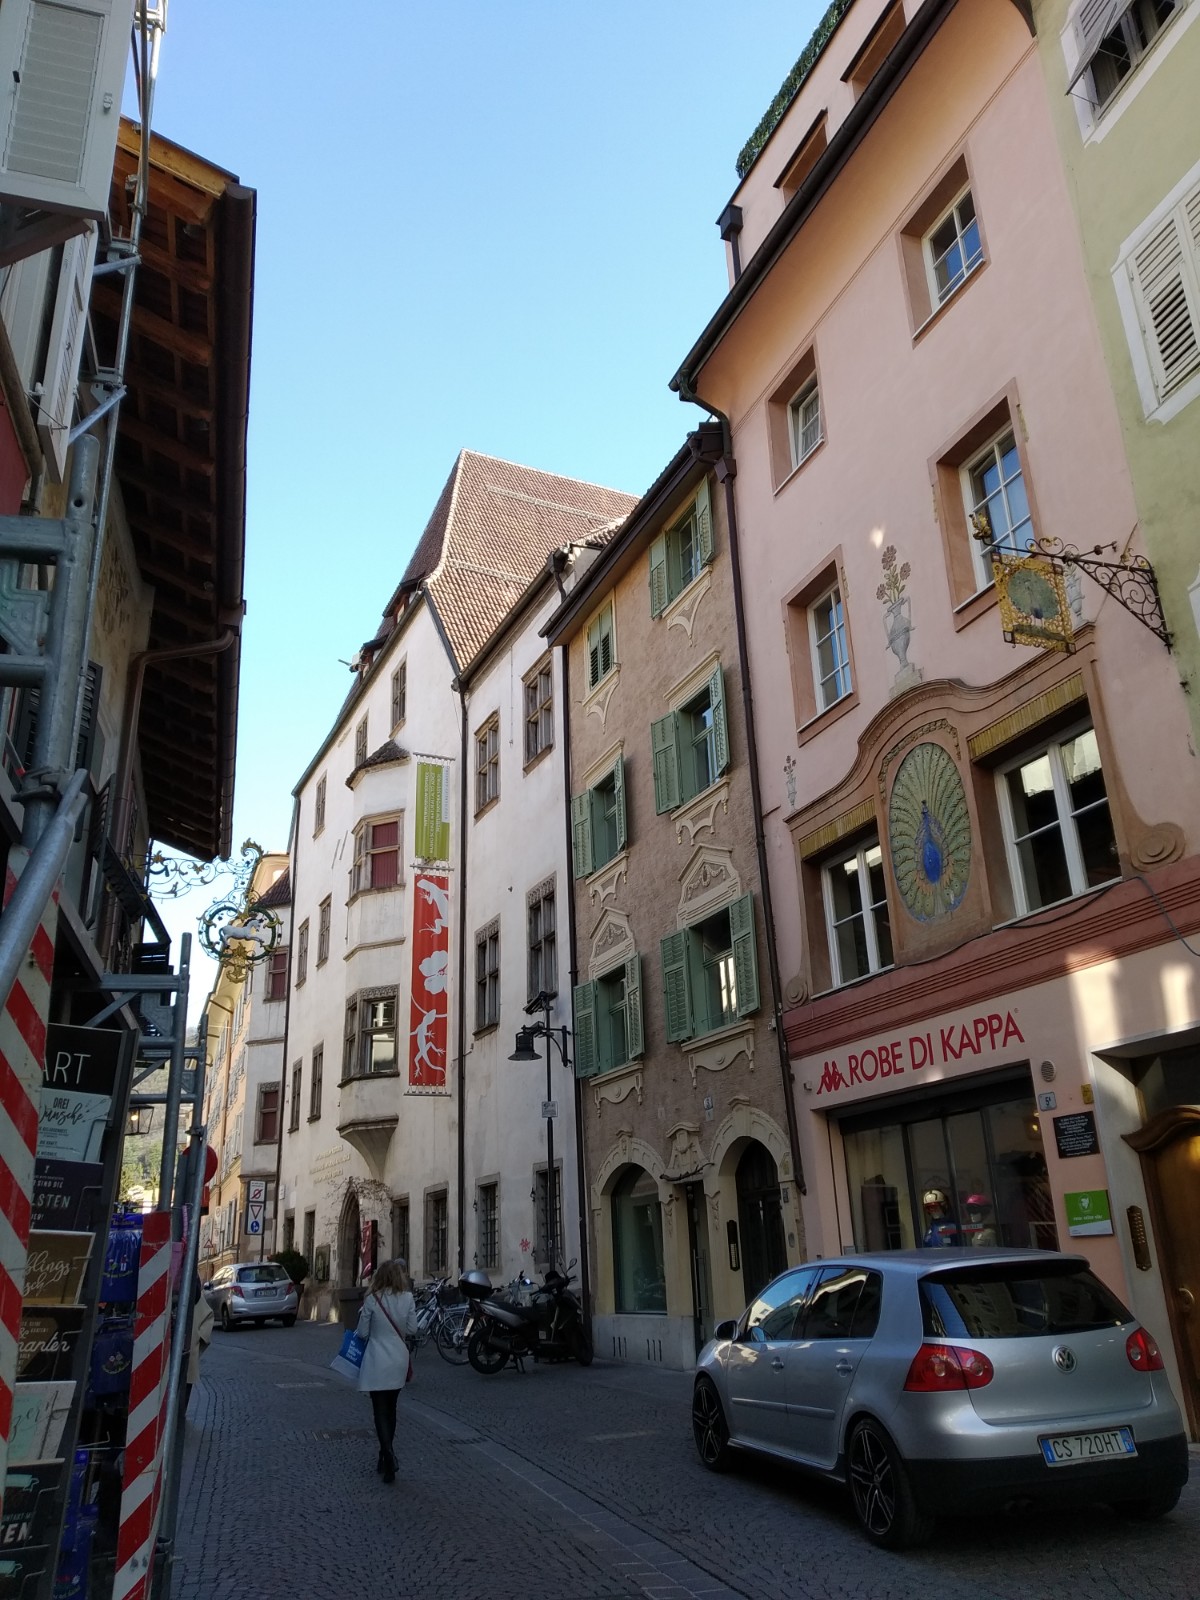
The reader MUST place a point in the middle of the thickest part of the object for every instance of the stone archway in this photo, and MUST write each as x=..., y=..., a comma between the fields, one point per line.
x=349, y=1291
x=748, y=1134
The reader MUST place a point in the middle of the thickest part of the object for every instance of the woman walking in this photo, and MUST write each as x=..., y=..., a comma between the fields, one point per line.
x=388, y=1319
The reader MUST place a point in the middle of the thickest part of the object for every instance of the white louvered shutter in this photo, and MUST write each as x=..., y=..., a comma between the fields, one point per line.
x=1166, y=288
x=1094, y=21
x=60, y=102
x=57, y=404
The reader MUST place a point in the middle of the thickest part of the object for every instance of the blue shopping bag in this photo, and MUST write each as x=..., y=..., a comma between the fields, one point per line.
x=349, y=1358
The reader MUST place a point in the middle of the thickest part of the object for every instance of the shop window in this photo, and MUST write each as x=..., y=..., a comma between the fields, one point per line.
x=710, y=972
x=690, y=746
x=1058, y=831
x=857, y=919
x=678, y=556
x=599, y=830
x=963, y=1168
x=639, y=1276
x=608, y=1020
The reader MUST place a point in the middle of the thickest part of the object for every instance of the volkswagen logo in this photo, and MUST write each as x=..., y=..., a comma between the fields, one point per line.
x=1064, y=1359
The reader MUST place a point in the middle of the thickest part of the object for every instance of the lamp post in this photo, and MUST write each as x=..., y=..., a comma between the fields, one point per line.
x=524, y=1051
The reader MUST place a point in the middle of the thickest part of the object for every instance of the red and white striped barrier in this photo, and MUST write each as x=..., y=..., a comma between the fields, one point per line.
x=142, y=1484
x=22, y=1056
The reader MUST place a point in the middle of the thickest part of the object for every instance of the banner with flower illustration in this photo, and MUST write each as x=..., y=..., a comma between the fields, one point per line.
x=430, y=985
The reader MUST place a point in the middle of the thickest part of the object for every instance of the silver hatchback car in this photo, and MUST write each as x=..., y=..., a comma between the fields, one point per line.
x=252, y=1291
x=950, y=1380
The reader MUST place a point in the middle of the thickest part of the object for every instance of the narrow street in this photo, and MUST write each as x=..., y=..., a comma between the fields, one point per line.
x=569, y=1483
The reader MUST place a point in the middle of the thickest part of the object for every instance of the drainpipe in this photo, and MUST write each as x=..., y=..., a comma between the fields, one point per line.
x=585, y=1278
x=726, y=472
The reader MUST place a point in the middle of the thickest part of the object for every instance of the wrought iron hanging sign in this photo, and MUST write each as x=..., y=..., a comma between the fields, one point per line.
x=236, y=930
x=1030, y=586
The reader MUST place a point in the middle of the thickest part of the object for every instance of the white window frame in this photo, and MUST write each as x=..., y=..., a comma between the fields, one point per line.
x=1067, y=828
x=874, y=964
x=937, y=296
x=815, y=637
x=809, y=391
x=980, y=559
x=1096, y=122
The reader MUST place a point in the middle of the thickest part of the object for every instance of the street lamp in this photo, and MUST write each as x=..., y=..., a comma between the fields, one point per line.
x=524, y=1051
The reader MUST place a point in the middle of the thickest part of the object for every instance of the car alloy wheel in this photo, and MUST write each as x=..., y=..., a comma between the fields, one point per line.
x=882, y=1494
x=709, y=1427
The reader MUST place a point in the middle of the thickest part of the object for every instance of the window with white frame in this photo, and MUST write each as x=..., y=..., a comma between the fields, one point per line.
x=369, y=1046
x=319, y=810
x=1157, y=280
x=376, y=855
x=856, y=912
x=487, y=976
x=804, y=419
x=830, y=648
x=487, y=1206
x=994, y=490
x=690, y=746
x=360, y=743
x=1113, y=38
x=487, y=764
x=601, y=654
x=598, y=826
x=302, y=953
x=539, y=712
x=324, y=924
x=679, y=556
x=1058, y=831
x=543, y=942
x=400, y=694
x=953, y=248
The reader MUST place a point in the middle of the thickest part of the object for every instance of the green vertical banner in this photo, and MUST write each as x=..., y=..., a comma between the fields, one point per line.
x=432, y=841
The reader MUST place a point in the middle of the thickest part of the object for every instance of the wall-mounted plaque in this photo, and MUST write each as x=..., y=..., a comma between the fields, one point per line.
x=55, y=1266
x=1075, y=1134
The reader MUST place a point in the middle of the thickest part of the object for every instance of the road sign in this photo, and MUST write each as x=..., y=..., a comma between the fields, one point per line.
x=258, y=1191
x=254, y=1221
x=549, y=1109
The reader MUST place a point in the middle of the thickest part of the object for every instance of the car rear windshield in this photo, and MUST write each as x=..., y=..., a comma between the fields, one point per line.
x=265, y=1274
x=1005, y=1302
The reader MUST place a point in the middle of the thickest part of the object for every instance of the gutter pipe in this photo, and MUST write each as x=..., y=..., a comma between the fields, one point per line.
x=726, y=472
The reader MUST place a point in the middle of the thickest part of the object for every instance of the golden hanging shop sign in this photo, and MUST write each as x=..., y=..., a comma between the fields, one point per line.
x=1034, y=608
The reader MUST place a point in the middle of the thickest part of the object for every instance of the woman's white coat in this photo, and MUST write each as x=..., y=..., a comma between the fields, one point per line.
x=385, y=1360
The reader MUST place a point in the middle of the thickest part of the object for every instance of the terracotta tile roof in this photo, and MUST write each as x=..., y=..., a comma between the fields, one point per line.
x=280, y=892
x=490, y=533
x=388, y=754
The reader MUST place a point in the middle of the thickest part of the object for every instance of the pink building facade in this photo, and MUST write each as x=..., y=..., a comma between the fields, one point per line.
x=983, y=855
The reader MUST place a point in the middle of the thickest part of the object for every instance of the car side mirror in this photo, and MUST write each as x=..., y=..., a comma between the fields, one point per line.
x=725, y=1330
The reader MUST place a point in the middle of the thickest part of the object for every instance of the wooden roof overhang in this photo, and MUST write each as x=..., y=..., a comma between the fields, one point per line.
x=181, y=466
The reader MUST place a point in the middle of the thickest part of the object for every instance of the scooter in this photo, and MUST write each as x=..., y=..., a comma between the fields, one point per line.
x=549, y=1328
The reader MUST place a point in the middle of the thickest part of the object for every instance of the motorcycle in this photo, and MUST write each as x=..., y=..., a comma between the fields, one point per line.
x=549, y=1328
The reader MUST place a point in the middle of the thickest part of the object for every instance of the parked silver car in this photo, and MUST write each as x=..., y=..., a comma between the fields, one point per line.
x=961, y=1379
x=252, y=1291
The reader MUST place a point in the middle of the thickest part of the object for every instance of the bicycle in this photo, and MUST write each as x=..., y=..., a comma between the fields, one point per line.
x=443, y=1319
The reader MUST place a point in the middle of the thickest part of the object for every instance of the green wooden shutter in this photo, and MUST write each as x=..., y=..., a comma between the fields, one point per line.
x=619, y=796
x=704, y=527
x=745, y=954
x=660, y=587
x=587, y=1059
x=581, y=832
x=635, y=1042
x=677, y=988
x=716, y=698
x=664, y=746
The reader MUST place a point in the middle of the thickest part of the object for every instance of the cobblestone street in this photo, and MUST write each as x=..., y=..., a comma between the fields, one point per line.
x=568, y=1483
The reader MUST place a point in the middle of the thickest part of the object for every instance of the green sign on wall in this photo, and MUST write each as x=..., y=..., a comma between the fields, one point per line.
x=1088, y=1212
x=432, y=842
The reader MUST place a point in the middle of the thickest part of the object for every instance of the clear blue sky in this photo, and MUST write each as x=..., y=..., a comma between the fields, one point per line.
x=480, y=225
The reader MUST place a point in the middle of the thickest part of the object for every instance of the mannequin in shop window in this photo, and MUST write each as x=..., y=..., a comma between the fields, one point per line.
x=980, y=1226
x=941, y=1229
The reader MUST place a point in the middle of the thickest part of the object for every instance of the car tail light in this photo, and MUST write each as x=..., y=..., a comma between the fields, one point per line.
x=937, y=1368
x=1143, y=1352
x=239, y=1291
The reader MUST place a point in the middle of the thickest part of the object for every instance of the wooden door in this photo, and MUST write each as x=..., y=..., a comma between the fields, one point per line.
x=1169, y=1146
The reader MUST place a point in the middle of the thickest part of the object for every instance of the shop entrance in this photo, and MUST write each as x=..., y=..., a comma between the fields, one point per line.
x=701, y=1265
x=760, y=1219
x=960, y=1168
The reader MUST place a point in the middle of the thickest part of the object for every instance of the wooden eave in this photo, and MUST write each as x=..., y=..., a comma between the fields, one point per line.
x=181, y=466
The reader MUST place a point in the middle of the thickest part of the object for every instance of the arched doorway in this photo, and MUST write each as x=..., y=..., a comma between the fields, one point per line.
x=349, y=1259
x=760, y=1218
